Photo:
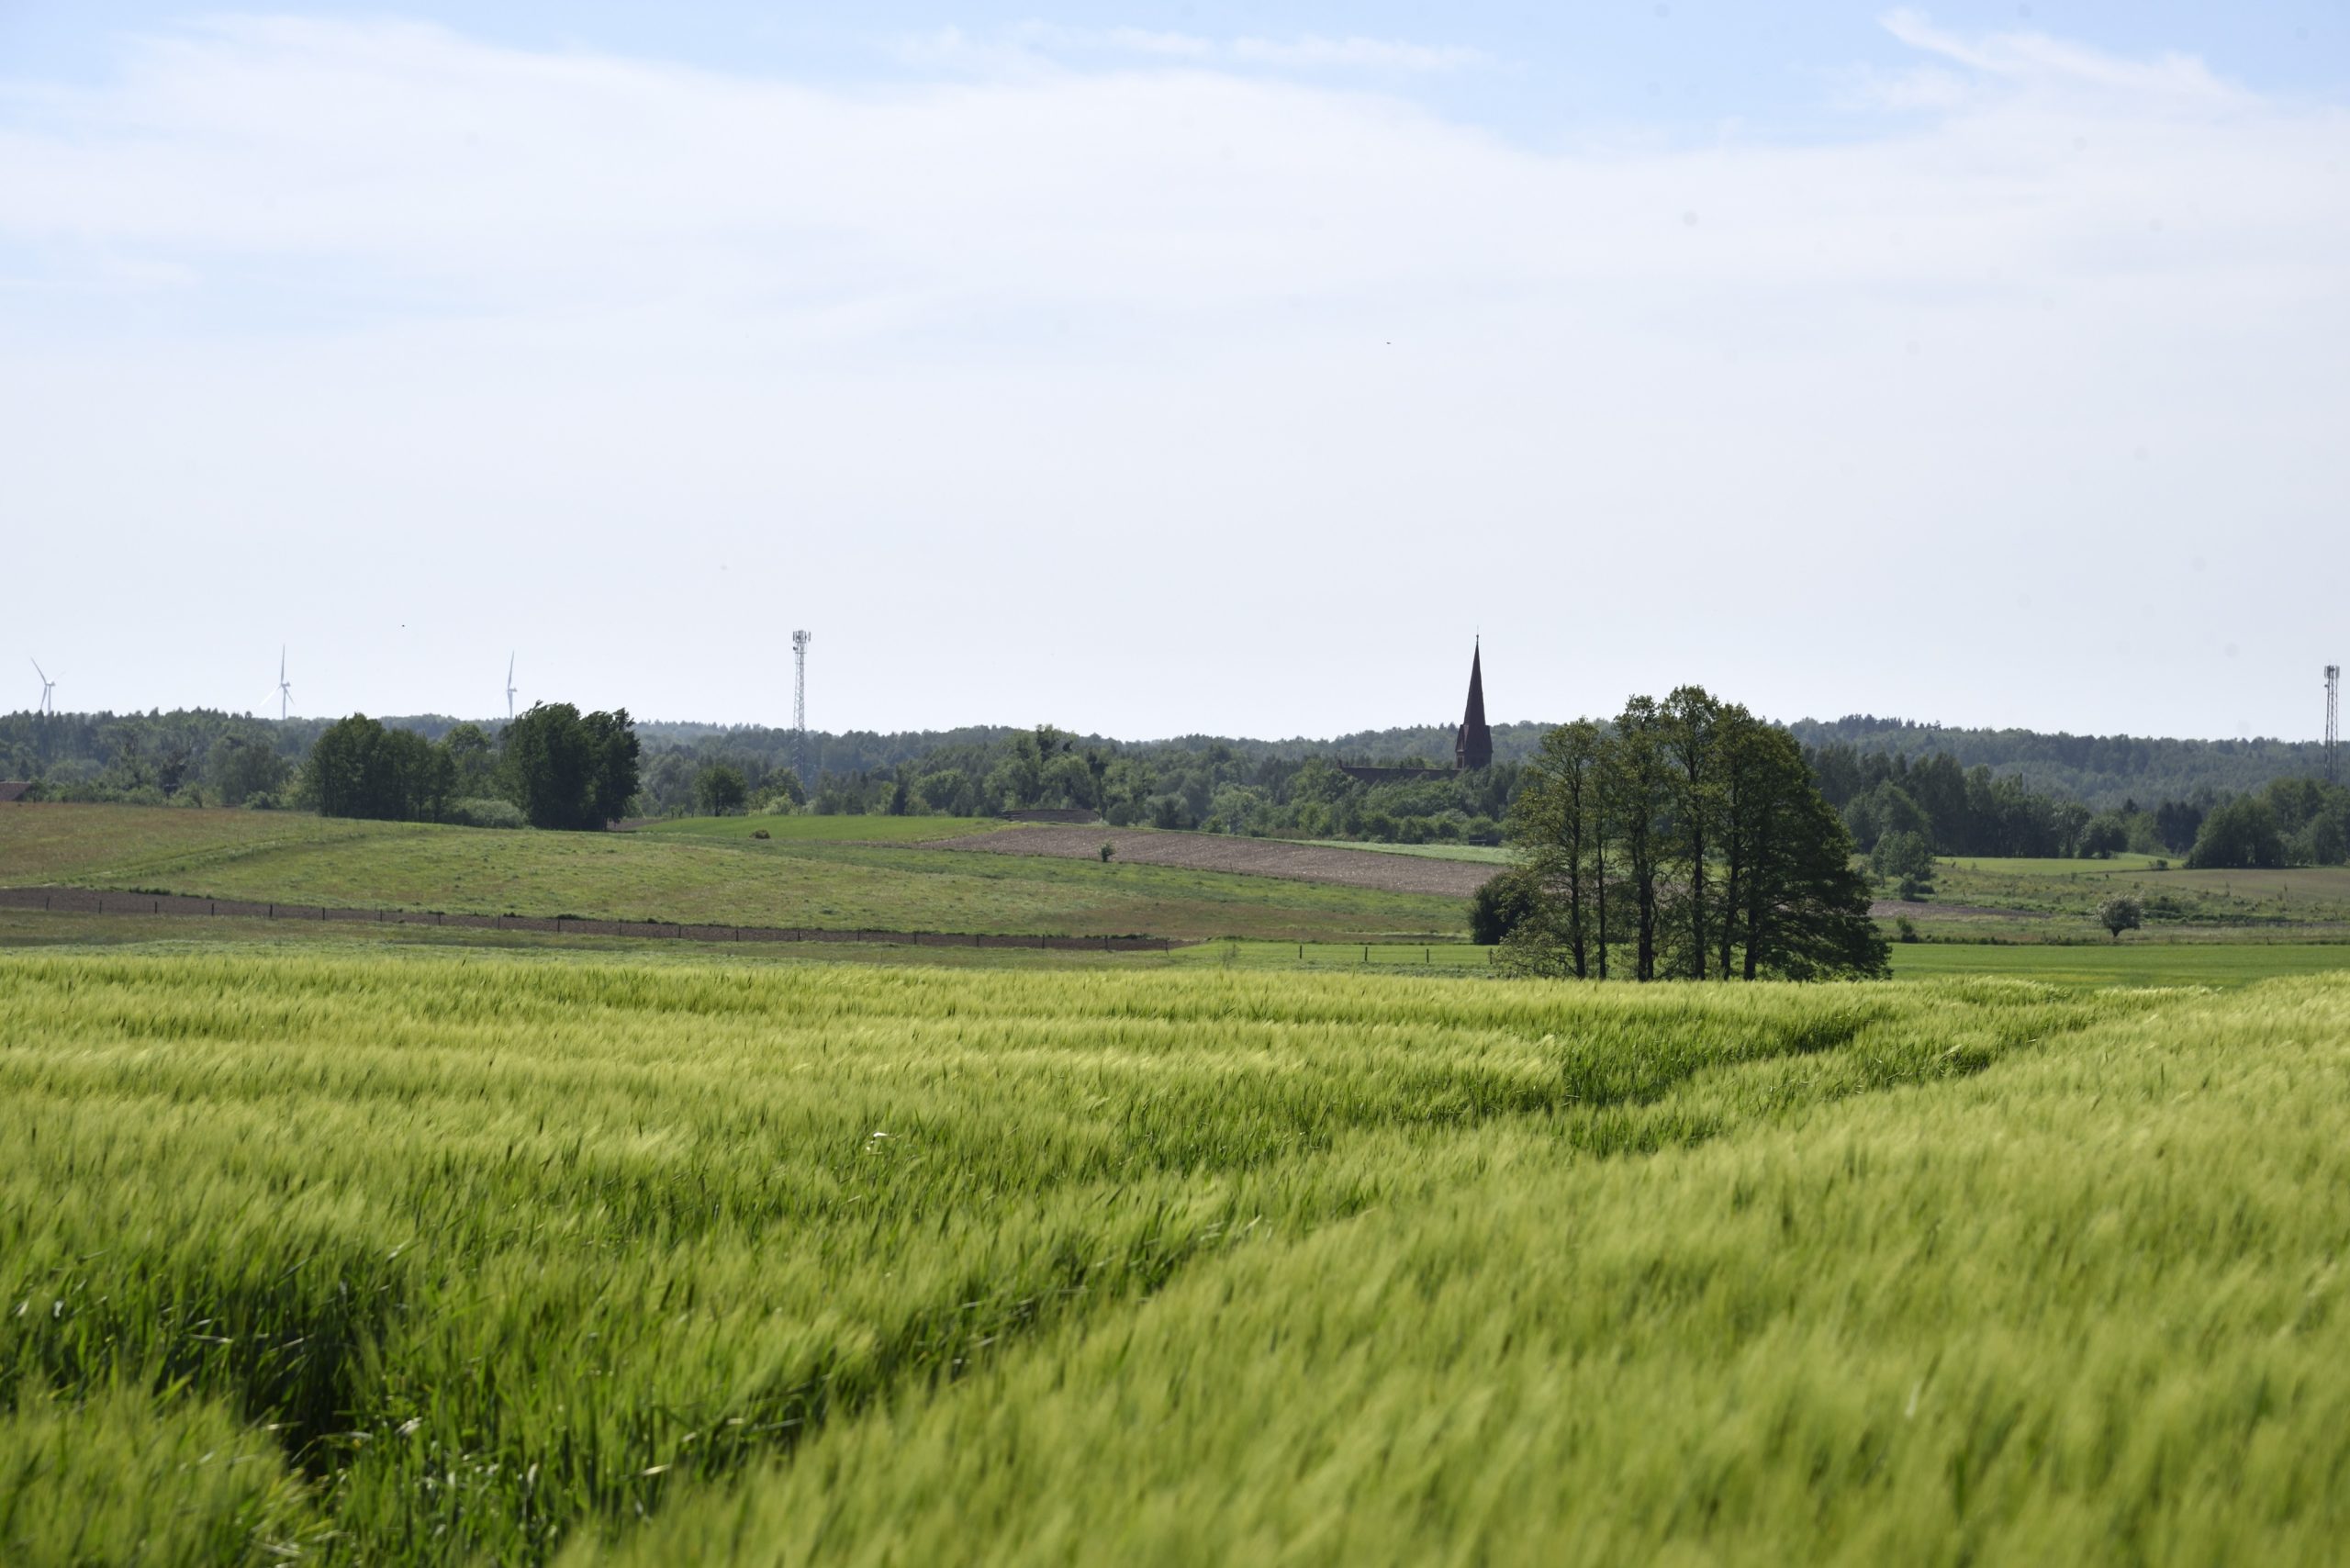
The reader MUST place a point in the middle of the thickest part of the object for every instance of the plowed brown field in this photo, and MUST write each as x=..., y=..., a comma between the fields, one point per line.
x=1249, y=856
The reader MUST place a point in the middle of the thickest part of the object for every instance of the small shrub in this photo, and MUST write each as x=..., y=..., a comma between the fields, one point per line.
x=761, y=832
x=2120, y=914
x=486, y=811
x=1505, y=903
x=1108, y=850
x=1904, y=928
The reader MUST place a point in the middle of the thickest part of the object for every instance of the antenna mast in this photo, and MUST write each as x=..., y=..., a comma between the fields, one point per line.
x=509, y=689
x=800, y=641
x=2333, y=724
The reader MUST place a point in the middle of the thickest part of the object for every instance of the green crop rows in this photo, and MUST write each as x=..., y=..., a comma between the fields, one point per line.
x=449, y=1255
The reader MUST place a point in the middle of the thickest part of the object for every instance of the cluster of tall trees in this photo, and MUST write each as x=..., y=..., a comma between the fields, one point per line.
x=1960, y=811
x=553, y=768
x=2294, y=821
x=1214, y=786
x=1684, y=838
x=195, y=756
x=1898, y=807
x=359, y=768
x=2101, y=772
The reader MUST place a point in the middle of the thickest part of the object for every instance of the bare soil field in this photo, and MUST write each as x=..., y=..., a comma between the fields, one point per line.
x=1249, y=856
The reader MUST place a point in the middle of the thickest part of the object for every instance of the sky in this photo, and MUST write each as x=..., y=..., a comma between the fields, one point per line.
x=1162, y=369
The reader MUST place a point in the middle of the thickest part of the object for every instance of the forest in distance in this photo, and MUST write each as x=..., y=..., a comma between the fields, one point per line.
x=1977, y=792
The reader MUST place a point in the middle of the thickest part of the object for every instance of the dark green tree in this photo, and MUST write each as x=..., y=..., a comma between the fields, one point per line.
x=359, y=768
x=1502, y=906
x=1690, y=733
x=721, y=789
x=473, y=760
x=1635, y=779
x=1556, y=822
x=570, y=770
x=243, y=770
x=1777, y=894
x=1805, y=910
x=2239, y=835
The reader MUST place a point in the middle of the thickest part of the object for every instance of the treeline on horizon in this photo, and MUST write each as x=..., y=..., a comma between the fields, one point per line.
x=1981, y=792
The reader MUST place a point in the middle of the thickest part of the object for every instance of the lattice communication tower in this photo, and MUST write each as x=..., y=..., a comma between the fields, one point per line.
x=800, y=641
x=2333, y=724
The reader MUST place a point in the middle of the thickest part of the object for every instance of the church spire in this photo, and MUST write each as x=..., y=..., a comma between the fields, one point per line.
x=1472, y=743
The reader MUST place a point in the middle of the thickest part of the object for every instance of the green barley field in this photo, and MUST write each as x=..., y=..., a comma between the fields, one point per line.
x=350, y=1253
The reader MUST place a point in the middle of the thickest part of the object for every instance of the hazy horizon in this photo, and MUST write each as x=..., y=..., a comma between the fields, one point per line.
x=1161, y=370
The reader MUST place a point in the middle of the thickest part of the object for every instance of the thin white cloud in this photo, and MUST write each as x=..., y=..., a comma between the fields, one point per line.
x=2037, y=57
x=1163, y=354
x=1035, y=43
x=1355, y=53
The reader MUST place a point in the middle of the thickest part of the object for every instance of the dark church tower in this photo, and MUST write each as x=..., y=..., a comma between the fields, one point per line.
x=1472, y=743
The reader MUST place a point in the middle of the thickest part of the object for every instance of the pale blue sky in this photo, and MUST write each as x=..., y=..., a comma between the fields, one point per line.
x=1544, y=71
x=1164, y=368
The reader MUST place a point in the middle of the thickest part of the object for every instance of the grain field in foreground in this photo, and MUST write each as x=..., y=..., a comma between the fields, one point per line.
x=432, y=1256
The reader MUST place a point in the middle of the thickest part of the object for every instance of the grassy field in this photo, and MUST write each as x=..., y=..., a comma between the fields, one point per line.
x=2134, y=963
x=1481, y=853
x=2131, y=963
x=2029, y=866
x=438, y=1255
x=691, y=874
x=2071, y=890
x=826, y=829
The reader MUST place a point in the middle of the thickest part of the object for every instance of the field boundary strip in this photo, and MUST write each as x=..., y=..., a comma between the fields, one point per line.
x=93, y=900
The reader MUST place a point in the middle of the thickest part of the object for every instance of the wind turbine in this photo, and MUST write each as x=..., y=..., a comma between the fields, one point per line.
x=509, y=689
x=285, y=690
x=48, y=690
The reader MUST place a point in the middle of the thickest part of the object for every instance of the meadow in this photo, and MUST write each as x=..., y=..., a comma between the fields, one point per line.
x=709, y=870
x=2070, y=891
x=799, y=829
x=1493, y=855
x=441, y=1254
